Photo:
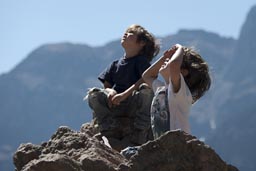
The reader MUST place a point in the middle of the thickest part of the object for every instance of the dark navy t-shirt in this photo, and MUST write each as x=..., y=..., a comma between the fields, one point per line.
x=123, y=73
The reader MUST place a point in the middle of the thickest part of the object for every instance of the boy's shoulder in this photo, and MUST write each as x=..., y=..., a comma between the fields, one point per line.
x=114, y=62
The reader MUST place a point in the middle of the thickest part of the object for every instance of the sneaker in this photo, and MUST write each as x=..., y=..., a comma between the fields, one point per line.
x=129, y=152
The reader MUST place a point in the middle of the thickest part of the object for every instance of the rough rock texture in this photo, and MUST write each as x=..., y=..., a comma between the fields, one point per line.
x=85, y=150
x=177, y=151
x=68, y=150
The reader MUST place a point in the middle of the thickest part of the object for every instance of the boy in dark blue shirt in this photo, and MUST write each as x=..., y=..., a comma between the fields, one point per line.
x=122, y=108
x=123, y=73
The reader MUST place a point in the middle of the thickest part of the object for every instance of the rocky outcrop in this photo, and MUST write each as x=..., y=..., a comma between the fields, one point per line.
x=67, y=150
x=86, y=150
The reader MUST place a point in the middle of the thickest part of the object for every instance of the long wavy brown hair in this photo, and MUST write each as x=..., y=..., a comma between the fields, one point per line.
x=151, y=48
x=198, y=78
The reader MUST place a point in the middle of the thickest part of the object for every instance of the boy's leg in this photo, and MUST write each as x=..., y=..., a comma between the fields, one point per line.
x=110, y=120
x=142, y=121
x=98, y=102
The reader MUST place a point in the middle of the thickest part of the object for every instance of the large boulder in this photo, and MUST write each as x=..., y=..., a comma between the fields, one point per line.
x=86, y=150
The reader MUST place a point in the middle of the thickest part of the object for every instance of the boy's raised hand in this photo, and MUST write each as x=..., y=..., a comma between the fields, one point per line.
x=171, y=51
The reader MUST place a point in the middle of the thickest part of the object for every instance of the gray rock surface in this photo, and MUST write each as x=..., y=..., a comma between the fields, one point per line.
x=86, y=150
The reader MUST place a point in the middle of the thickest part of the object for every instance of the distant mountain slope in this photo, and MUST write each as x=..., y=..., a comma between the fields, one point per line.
x=234, y=137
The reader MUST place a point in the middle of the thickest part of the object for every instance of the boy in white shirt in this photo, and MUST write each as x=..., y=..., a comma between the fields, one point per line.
x=186, y=79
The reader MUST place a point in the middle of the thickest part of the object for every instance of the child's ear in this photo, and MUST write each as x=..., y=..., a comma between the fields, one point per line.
x=142, y=43
x=184, y=72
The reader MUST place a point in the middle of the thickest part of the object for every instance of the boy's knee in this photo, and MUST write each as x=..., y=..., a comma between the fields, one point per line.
x=144, y=86
x=145, y=90
x=96, y=97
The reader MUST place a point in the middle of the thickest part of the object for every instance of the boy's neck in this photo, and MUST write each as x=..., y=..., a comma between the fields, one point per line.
x=130, y=54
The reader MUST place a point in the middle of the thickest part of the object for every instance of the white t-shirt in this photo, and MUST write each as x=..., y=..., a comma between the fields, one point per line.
x=179, y=104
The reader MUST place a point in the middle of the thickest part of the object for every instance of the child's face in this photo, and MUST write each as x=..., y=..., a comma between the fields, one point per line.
x=165, y=71
x=129, y=40
x=129, y=37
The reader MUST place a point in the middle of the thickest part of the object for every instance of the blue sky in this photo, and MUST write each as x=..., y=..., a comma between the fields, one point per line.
x=27, y=24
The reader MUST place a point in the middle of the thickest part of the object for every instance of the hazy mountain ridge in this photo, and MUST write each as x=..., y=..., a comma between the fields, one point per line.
x=46, y=89
x=237, y=121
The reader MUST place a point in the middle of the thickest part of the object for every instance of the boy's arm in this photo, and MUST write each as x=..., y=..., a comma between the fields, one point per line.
x=109, y=89
x=152, y=72
x=114, y=98
x=174, y=65
x=111, y=92
x=122, y=96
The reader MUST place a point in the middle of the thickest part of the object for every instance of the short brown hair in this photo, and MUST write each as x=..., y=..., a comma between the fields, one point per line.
x=151, y=48
x=198, y=79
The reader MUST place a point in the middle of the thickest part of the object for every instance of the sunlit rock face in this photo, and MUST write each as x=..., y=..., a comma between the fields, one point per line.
x=85, y=150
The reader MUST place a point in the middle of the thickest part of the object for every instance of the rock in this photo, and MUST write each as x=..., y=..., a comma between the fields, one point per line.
x=177, y=151
x=26, y=153
x=53, y=162
x=84, y=150
x=67, y=150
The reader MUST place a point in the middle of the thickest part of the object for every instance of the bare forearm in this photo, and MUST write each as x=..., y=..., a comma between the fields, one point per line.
x=176, y=61
x=135, y=86
x=152, y=72
x=174, y=66
x=124, y=95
